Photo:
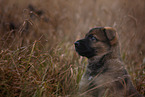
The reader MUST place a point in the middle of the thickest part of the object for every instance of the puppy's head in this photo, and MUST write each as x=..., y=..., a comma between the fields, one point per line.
x=98, y=41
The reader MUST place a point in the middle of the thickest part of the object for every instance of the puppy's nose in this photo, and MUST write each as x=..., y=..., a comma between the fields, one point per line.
x=77, y=44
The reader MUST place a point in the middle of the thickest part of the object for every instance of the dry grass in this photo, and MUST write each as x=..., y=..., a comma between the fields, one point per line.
x=37, y=56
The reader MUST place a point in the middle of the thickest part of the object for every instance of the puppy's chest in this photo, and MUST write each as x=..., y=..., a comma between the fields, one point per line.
x=91, y=81
x=95, y=74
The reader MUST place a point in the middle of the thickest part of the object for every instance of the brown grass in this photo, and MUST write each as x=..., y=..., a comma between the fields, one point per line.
x=37, y=56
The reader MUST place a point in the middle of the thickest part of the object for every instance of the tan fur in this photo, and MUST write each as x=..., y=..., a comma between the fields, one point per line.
x=111, y=79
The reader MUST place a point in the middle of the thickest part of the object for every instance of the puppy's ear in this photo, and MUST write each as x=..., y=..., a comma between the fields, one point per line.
x=111, y=35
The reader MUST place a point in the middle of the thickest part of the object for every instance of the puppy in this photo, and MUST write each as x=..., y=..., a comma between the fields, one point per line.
x=105, y=74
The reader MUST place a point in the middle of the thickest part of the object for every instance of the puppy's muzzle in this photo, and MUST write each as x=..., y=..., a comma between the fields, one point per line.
x=82, y=47
x=77, y=44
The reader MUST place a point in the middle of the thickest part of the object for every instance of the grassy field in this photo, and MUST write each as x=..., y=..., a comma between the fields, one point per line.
x=37, y=55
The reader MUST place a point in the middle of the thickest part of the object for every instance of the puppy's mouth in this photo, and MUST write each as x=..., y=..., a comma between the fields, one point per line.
x=83, y=49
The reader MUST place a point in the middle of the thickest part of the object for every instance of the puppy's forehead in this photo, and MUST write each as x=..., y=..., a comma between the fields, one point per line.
x=97, y=32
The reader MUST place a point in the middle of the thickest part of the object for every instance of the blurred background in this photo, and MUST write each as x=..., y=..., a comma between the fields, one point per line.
x=37, y=55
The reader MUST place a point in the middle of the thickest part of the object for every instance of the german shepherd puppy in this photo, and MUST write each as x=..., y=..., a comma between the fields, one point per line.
x=105, y=74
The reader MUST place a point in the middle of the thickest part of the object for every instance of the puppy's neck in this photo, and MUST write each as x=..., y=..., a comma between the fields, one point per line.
x=96, y=64
x=114, y=53
x=94, y=59
x=97, y=59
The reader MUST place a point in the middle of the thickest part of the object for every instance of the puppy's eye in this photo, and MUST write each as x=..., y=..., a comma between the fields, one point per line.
x=92, y=38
